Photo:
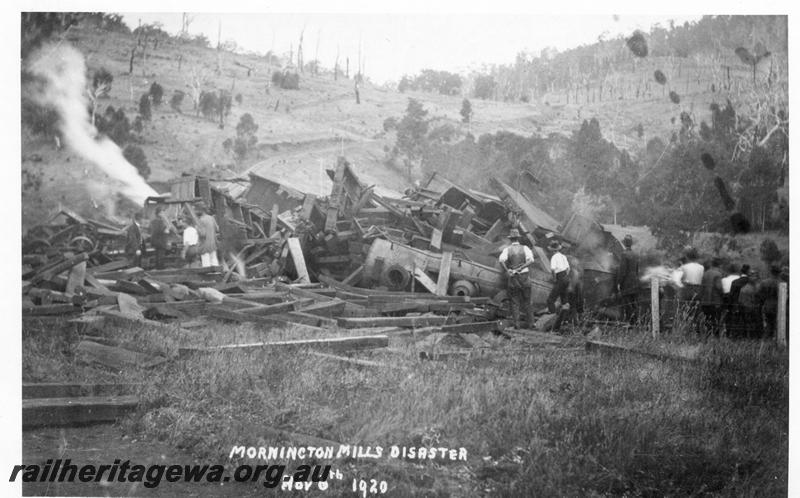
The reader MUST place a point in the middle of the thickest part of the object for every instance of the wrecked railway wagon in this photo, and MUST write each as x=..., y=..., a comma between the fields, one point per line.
x=396, y=266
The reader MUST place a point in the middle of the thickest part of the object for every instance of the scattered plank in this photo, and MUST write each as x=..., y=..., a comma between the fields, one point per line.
x=77, y=274
x=354, y=276
x=436, y=239
x=271, y=309
x=607, y=347
x=350, y=361
x=328, y=309
x=443, y=282
x=299, y=261
x=332, y=344
x=391, y=321
x=425, y=280
x=54, y=412
x=71, y=390
x=116, y=358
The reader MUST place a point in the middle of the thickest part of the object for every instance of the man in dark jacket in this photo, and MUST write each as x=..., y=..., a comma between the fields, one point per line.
x=627, y=280
x=159, y=230
x=712, y=295
x=767, y=296
x=133, y=240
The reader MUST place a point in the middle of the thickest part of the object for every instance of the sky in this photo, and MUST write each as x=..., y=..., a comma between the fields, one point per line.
x=404, y=43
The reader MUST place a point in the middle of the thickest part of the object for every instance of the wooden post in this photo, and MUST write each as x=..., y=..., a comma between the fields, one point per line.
x=654, y=311
x=299, y=261
x=273, y=220
x=783, y=297
x=444, y=274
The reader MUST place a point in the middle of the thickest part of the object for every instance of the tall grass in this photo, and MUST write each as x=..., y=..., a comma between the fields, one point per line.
x=549, y=422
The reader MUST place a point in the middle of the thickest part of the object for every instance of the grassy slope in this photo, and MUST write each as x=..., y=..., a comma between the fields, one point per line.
x=309, y=128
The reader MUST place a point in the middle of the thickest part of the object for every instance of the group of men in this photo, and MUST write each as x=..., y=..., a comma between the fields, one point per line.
x=199, y=239
x=516, y=259
x=736, y=300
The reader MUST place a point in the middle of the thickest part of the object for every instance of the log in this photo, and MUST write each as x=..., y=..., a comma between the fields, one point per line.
x=331, y=344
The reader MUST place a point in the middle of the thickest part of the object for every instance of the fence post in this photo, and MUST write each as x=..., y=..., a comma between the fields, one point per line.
x=655, y=314
x=783, y=295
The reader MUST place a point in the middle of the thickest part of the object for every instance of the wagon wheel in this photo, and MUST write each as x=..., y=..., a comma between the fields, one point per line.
x=81, y=244
x=37, y=246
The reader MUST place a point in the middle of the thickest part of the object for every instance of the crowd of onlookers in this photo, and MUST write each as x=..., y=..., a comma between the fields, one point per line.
x=735, y=300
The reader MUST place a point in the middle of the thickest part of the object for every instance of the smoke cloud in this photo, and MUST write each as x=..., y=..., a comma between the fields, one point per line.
x=63, y=70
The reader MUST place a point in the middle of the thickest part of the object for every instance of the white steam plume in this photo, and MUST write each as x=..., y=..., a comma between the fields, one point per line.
x=64, y=71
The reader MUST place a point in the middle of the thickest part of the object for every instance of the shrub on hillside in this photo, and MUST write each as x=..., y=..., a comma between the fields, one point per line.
x=135, y=155
x=102, y=79
x=238, y=98
x=208, y=104
x=156, y=93
x=115, y=125
x=286, y=80
x=40, y=120
x=176, y=100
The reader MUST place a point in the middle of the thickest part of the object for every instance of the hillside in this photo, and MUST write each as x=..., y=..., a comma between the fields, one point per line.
x=300, y=132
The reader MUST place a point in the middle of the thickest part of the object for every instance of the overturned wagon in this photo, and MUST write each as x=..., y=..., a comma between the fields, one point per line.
x=400, y=267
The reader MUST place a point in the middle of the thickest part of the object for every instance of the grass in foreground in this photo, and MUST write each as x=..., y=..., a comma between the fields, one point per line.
x=544, y=422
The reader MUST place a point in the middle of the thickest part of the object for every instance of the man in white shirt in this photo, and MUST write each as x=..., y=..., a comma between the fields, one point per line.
x=516, y=259
x=692, y=278
x=190, y=243
x=559, y=266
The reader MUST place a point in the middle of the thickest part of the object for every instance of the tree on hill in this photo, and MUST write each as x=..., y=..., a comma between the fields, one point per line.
x=412, y=134
x=156, y=93
x=466, y=111
x=135, y=155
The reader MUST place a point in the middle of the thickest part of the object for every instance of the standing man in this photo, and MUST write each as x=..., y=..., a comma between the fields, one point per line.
x=627, y=281
x=767, y=296
x=516, y=259
x=559, y=266
x=191, y=240
x=134, y=242
x=712, y=295
x=159, y=230
x=207, y=229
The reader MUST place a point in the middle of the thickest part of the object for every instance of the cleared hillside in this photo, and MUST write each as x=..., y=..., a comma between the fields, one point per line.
x=300, y=132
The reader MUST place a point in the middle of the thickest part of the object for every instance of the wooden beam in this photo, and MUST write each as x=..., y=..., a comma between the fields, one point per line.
x=329, y=309
x=116, y=358
x=299, y=260
x=495, y=230
x=443, y=282
x=655, y=314
x=273, y=220
x=606, y=347
x=436, y=239
x=425, y=280
x=391, y=321
x=783, y=298
x=77, y=274
x=55, y=412
x=332, y=344
x=354, y=276
x=31, y=390
x=272, y=309
x=349, y=361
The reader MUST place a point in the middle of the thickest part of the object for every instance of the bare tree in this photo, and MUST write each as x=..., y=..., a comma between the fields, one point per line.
x=336, y=65
x=186, y=21
x=197, y=77
x=300, y=50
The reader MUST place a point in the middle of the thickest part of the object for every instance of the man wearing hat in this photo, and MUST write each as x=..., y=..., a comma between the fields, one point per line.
x=559, y=266
x=516, y=259
x=627, y=280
